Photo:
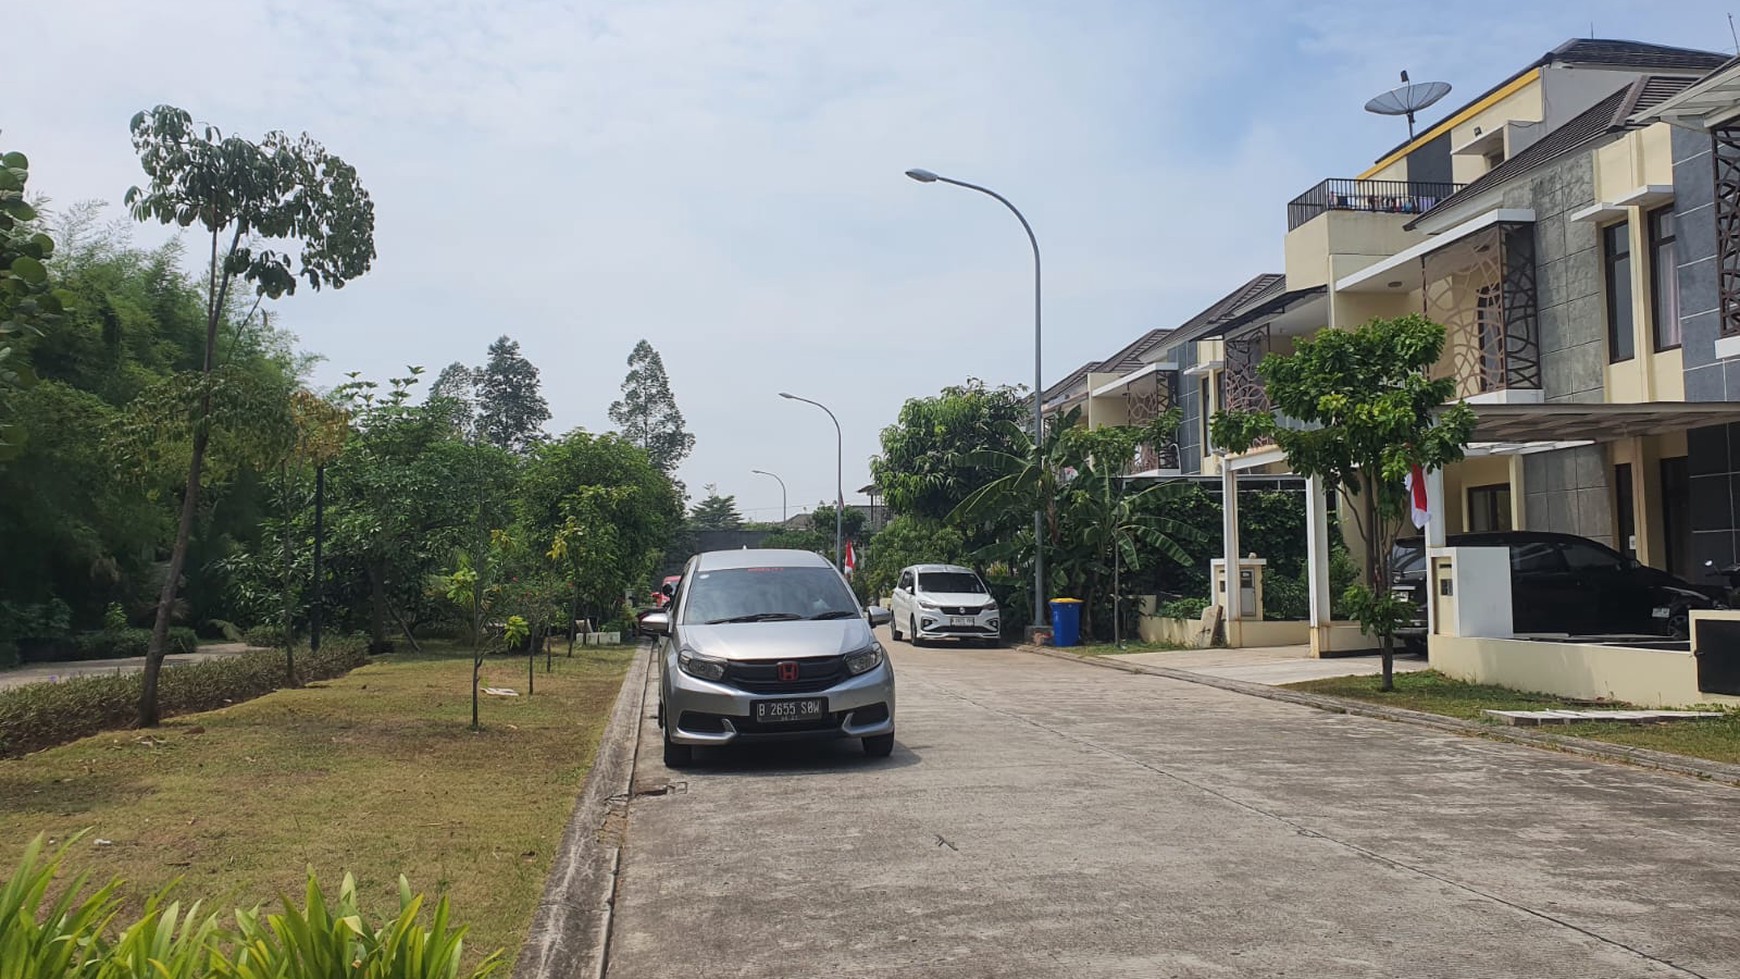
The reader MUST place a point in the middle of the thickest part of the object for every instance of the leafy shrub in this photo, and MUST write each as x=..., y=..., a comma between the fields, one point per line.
x=322, y=939
x=49, y=620
x=265, y=636
x=8, y=653
x=1184, y=608
x=109, y=644
x=114, y=617
x=42, y=715
x=1286, y=598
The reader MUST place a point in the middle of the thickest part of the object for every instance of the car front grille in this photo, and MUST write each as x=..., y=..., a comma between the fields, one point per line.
x=959, y=610
x=762, y=676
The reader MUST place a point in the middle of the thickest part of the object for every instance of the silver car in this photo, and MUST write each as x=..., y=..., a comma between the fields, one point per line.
x=769, y=645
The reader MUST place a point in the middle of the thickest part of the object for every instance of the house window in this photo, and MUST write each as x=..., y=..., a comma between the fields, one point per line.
x=1664, y=279
x=1616, y=256
x=1488, y=508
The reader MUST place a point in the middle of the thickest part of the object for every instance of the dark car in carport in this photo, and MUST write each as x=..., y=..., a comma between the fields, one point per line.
x=1562, y=583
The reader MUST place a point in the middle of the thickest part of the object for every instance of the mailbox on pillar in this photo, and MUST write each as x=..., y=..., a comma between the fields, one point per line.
x=1250, y=585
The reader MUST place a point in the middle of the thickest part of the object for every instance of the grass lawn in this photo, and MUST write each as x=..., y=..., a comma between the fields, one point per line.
x=1431, y=691
x=1111, y=649
x=375, y=773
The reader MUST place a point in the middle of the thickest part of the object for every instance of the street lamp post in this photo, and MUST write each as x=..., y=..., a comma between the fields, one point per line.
x=927, y=177
x=839, y=480
x=782, y=508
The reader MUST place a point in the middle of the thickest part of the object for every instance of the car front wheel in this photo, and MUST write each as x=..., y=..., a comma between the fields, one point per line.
x=879, y=745
x=677, y=755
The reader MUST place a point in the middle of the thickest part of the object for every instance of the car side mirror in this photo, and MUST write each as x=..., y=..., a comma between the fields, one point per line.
x=656, y=623
x=668, y=590
x=879, y=616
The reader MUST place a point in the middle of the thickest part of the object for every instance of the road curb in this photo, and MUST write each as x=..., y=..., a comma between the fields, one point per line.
x=1599, y=750
x=571, y=926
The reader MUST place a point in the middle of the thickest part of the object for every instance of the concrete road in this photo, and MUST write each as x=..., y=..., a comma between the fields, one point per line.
x=1273, y=665
x=1046, y=818
x=58, y=671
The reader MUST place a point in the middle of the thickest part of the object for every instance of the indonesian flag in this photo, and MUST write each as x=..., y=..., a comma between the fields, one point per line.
x=1415, y=481
x=851, y=559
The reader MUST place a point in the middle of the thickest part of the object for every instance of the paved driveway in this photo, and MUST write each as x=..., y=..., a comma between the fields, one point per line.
x=58, y=671
x=1046, y=818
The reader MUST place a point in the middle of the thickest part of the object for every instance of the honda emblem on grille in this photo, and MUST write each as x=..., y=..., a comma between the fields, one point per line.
x=788, y=672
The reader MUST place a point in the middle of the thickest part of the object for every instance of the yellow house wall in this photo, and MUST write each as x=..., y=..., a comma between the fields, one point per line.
x=1110, y=409
x=1642, y=677
x=1338, y=243
x=1524, y=105
x=1394, y=166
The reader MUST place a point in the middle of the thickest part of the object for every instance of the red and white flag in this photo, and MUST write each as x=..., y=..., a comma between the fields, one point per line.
x=851, y=559
x=1416, y=484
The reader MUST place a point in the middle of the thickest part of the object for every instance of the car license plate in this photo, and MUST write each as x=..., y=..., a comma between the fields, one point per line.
x=1660, y=613
x=788, y=711
x=960, y=620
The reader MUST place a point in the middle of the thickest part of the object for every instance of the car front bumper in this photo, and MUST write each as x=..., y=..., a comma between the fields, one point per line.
x=941, y=624
x=701, y=712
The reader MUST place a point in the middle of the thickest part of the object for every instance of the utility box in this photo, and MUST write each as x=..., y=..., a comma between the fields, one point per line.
x=1469, y=592
x=1250, y=585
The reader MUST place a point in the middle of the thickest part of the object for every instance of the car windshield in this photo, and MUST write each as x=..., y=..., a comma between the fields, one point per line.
x=1406, y=558
x=767, y=595
x=951, y=583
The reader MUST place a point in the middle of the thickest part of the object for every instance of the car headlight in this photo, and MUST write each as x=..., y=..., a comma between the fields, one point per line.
x=864, y=660
x=989, y=607
x=927, y=603
x=701, y=667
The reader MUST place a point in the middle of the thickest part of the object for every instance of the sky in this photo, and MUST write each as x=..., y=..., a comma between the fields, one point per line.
x=725, y=177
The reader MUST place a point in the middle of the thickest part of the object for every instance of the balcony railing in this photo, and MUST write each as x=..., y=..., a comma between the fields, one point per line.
x=1376, y=196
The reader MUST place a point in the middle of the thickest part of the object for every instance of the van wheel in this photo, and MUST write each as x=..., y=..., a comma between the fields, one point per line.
x=879, y=745
x=677, y=755
x=912, y=628
x=894, y=630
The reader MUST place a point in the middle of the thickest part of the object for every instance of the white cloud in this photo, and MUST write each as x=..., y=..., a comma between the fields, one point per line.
x=724, y=177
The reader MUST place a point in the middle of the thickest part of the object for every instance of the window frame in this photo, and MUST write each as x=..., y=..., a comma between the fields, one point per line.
x=1504, y=512
x=1611, y=236
x=1658, y=276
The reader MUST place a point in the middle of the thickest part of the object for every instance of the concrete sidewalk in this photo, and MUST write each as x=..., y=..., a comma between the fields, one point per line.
x=55, y=672
x=1271, y=665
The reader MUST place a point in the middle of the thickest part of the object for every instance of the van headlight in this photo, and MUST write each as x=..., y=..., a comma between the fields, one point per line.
x=700, y=667
x=864, y=660
x=926, y=603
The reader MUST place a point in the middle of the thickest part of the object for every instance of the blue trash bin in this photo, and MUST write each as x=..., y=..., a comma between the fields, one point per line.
x=1066, y=621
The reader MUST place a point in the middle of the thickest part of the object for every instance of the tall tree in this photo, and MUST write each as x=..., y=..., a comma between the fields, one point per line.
x=648, y=411
x=458, y=383
x=277, y=190
x=1378, y=414
x=27, y=299
x=716, y=513
x=511, y=412
x=927, y=467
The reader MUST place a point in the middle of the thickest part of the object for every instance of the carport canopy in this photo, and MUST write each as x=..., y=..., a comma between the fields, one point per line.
x=1510, y=429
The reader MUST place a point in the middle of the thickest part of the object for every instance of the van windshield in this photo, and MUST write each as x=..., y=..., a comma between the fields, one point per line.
x=767, y=595
x=951, y=583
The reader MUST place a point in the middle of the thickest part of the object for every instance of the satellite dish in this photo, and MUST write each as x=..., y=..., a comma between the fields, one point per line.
x=1408, y=99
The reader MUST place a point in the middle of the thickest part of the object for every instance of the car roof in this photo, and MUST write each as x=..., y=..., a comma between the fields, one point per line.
x=759, y=558
x=935, y=568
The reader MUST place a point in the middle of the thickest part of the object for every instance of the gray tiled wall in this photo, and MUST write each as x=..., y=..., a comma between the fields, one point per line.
x=1566, y=491
x=1712, y=454
x=1573, y=325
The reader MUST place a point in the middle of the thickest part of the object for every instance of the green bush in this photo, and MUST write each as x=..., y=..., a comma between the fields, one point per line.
x=112, y=644
x=1184, y=608
x=265, y=636
x=323, y=939
x=8, y=654
x=42, y=715
x=1286, y=598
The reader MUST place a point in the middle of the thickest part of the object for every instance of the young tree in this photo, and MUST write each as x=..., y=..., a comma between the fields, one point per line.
x=648, y=411
x=716, y=513
x=1379, y=415
x=277, y=190
x=510, y=411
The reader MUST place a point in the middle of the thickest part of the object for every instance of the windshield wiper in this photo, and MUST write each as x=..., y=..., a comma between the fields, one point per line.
x=835, y=613
x=757, y=617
